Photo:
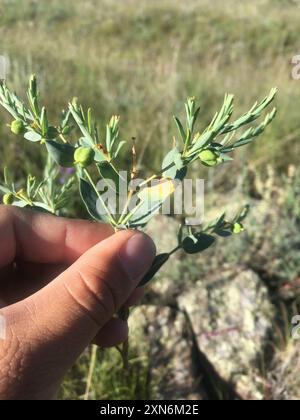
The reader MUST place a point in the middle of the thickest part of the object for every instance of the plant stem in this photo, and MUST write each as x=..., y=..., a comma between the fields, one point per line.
x=89, y=379
x=63, y=138
x=111, y=219
x=151, y=178
x=132, y=213
x=123, y=219
x=129, y=197
x=175, y=250
x=123, y=314
x=187, y=142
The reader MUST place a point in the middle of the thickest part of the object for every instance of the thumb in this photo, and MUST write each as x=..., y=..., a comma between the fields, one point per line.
x=83, y=298
x=59, y=321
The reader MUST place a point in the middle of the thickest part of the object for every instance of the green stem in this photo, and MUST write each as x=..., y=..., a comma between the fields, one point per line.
x=64, y=140
x=129, y=197
x=132, y=213
x=187, y=142
x=89, y=379
x=111, y=219
x=113, y=167
x=152, y=177
x=123, y=220
x=177, y=248
x=123, y=314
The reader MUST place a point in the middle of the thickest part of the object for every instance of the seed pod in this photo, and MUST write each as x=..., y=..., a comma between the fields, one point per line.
x=8, y=199
x=209, y=157
x=17, y=127
x=84, y=156
x=237, y=228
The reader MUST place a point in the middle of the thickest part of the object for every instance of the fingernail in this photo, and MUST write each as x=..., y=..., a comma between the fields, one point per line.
x=137, y=255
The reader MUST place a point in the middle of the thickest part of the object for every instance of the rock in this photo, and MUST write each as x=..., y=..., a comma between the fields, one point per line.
x=163, y=230
x=166, y=285
x=231, y=318
x=169, y=346
x=284, y=379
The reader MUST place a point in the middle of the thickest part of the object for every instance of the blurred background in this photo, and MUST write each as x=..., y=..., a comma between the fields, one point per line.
x=217, y=326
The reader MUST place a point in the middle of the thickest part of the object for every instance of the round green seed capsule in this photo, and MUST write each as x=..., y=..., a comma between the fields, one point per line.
x=209, y=157
x=8, y=199
x=17, y=127
x=84, y=156
x=237, y=228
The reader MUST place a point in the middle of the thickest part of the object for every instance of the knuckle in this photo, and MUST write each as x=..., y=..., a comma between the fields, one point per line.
x=90, y=291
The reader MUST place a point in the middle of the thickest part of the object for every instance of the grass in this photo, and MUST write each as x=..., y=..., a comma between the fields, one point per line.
x=141, y=59
x=108, y=379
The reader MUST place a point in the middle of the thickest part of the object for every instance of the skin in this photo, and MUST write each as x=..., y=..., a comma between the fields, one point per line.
x=61, y=282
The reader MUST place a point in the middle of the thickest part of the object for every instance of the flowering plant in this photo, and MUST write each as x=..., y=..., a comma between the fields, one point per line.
x=75, y=142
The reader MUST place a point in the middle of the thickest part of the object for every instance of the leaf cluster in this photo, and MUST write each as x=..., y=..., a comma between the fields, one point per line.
x=76, y=142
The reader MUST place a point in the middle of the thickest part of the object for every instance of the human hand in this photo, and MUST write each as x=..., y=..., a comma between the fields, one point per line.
x=61, y=282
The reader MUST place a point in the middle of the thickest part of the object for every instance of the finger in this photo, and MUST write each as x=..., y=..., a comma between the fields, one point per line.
x=100, y=281
x=59, y=321
x=135, y=297
x=26, y=278
x=39, y=273
x=116, y=330
x=113, y=333
x=37, y=237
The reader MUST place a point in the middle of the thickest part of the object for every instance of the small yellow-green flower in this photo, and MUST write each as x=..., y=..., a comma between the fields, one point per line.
x=237, y=228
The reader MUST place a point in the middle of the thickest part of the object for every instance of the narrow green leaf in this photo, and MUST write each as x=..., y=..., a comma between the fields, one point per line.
x=90, y=199
x=38, y=209
x=144, y=213
x=158, y=192
x=52, y=133
x=243, y=213
x=90, y=120
x=119, y=148
x=173, y=166
x=180, y=129
x=225, y=158
x=63, y=154
x=198, y=243
x=204, y=140
x=44, y=121
x=108, y=173
x=158, y=262
x=108, y=138
x=223, y=233
x=151, y=199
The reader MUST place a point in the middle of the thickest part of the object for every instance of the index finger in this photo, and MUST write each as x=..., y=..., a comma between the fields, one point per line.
x=38, y=237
